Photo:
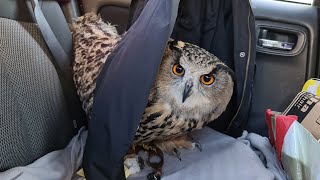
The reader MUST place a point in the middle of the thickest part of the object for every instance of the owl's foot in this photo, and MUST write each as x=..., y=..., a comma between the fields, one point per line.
x=154, y=159
x=134, y=165
x=171, y=146
x=154, y=176
x=197, y=145
x=133, y=162
x=176, y=153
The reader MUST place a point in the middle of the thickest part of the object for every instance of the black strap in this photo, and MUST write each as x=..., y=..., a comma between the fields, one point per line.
x=62, y=60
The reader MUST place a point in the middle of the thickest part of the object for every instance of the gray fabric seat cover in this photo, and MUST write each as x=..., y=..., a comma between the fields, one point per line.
x=33, y=119
x=19, y=10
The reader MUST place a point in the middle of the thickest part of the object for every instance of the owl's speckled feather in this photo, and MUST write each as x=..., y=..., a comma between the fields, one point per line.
x=167, y=117
x=93, y=41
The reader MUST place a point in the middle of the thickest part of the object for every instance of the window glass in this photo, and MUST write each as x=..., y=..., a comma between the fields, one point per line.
x=301, y=1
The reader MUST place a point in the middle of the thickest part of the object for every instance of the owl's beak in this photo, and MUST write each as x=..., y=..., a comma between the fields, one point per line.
x=187, y=91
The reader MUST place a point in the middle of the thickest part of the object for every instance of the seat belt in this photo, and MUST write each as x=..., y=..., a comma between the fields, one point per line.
x=62, y=60
x=52, y=42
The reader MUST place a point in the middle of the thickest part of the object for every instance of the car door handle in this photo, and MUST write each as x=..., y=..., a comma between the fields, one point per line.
x=272, y=44
x=273, y=39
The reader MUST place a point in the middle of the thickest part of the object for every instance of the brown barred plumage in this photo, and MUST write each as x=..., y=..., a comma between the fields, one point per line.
x=178, y=104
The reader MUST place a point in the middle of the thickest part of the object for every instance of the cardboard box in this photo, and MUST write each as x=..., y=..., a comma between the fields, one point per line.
x=307, y=107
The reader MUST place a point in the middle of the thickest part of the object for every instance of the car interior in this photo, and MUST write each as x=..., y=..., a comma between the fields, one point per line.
x=287, y=34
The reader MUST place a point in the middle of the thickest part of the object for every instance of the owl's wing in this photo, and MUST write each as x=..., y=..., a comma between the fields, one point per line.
x=93, y=41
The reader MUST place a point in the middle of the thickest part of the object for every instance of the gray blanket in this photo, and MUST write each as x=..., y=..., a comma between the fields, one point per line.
x=57, y=165
x=248, y=157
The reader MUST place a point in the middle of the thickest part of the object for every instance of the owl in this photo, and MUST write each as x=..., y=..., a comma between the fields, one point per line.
x=192, y=88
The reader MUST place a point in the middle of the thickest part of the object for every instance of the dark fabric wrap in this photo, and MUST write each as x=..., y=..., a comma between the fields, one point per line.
x=123, y=88
x=223, y=27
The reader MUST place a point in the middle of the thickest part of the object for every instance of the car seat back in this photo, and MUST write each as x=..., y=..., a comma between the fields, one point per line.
x=33, y=116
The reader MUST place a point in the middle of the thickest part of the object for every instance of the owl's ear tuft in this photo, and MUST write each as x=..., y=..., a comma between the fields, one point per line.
x=225, y=68
x=173, y=47
x=174, y=44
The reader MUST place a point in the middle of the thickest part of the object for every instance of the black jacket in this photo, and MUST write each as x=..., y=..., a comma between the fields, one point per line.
x=226, y=29
x=223, y=27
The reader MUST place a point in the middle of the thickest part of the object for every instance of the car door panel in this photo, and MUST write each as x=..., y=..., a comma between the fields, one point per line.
x=287, y=45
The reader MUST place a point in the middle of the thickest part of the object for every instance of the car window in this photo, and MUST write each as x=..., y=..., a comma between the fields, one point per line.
x=300, y=1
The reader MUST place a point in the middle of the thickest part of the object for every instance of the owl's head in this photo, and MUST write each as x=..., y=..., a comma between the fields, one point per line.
x=194, y=80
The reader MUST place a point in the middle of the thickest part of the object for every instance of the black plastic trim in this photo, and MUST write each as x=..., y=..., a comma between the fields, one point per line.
x=296, y=14
x=95, y=5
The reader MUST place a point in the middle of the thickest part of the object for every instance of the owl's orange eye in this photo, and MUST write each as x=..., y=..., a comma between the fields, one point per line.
x=207, y=79
x=178, y=70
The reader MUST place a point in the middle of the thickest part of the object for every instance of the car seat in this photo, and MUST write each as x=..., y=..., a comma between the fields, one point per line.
x=34, y=119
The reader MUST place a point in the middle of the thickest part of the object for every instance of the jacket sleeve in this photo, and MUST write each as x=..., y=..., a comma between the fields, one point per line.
x=123, y=88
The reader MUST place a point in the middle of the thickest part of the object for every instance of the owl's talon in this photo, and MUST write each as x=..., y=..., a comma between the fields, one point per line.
x=140, y=162
x=177, y=153
x=154, y=176
x=198, y=146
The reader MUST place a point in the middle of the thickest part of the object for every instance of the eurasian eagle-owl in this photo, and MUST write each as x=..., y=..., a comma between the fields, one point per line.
x=193, y=87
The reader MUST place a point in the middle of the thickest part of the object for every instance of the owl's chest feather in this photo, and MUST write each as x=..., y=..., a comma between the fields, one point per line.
x=160, y=121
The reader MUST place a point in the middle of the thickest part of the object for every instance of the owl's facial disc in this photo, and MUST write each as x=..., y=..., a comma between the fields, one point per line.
x=187, y=90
